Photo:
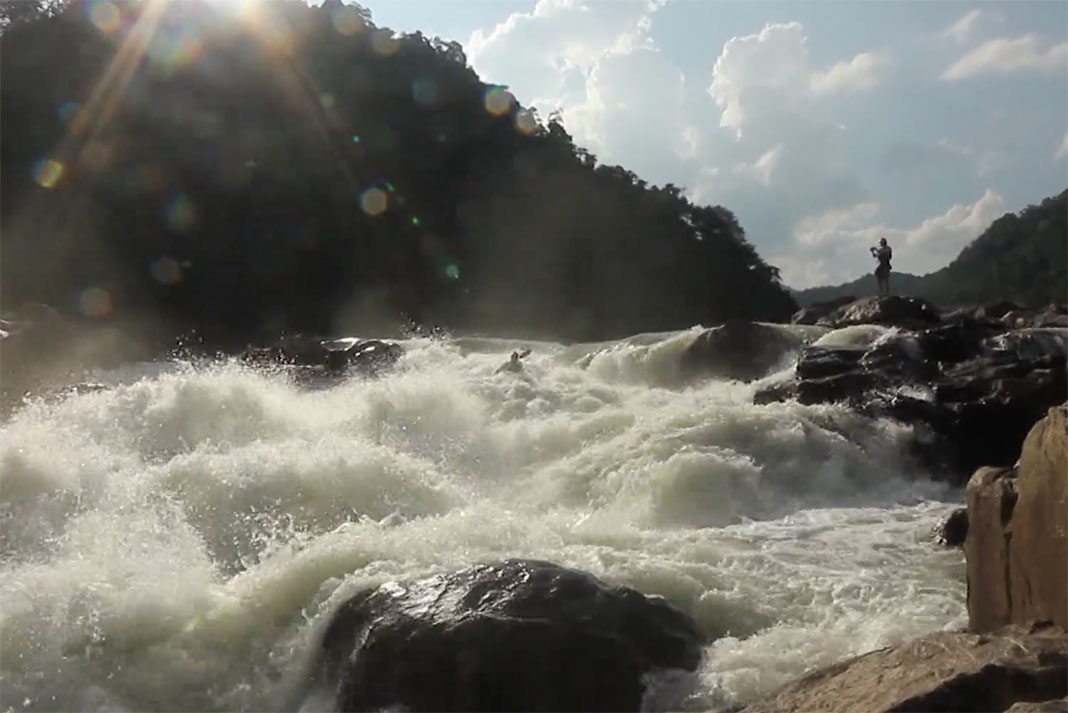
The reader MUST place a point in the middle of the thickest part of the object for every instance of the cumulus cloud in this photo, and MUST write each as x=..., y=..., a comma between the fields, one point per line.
x=1062, y=150
x=861, y=72
x=832, y=245
x=776, y=59
x=962, y=28
x=546, y=53
x=1005, y=56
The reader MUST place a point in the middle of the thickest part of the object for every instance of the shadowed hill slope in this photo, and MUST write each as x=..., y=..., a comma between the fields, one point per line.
x=250, y=168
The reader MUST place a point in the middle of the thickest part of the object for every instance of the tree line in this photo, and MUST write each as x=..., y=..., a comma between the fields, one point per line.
x=273, y=166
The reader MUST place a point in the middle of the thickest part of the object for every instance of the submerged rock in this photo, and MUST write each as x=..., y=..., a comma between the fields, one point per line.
x=738, y=349
x=369, y=357
x=946, y=671
x=1017, y=545
x=519, y=635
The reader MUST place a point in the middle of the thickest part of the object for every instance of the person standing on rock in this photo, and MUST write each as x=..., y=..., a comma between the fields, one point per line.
x=882, y=253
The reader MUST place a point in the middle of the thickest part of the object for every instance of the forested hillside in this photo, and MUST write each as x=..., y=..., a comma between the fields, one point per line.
x=1021, y=257
x=254, y=167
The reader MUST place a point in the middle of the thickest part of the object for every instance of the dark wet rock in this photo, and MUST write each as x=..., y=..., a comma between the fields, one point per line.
x=817, y=362
x=519, y=635
x=365, y=356
x=954, y=530
x=946, y=671
x=971, y=388
x=893, y=311
x=738, y=349
x=814, y=312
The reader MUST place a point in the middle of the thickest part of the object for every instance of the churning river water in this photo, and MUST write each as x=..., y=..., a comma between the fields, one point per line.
x=173, y=537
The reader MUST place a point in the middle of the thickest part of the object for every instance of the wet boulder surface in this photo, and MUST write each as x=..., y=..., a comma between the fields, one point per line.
x=517, y=635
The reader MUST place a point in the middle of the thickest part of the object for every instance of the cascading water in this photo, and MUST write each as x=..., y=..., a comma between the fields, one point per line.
x=173, y=538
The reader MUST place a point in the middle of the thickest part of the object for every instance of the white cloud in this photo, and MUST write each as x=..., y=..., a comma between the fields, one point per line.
x=1004, y=56
x=834, y=224
x=543, y=54
x=1062, y=150
x=962, y=28
x=776, y=60
x=861, y=72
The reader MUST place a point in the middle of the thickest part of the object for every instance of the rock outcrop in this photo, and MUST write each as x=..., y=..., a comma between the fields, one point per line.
x=946, y=671
x=814, y=312
x=893, y=311
x=519, y=635
x=971, y=386
x=1017, y=548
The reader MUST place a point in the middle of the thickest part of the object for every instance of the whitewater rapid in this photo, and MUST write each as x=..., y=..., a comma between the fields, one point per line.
x=173, y=538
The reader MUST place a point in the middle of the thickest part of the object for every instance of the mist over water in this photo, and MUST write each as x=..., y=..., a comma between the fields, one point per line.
x=174, y=538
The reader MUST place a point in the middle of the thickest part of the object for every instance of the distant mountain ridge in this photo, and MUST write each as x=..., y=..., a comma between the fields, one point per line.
x=1021, y=257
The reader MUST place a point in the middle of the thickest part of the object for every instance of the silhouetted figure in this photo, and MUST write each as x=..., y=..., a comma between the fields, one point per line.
x=882, y=253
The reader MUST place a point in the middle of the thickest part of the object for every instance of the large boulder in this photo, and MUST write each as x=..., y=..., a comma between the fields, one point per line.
x=946, y=671
x=1038, y=552
x=893, y=311
x=739, y=349
x=519, y=635
x=1016, y=546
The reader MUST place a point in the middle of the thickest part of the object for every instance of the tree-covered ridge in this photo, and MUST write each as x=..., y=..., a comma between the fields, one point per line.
x=1022, y=258
x=279, y=166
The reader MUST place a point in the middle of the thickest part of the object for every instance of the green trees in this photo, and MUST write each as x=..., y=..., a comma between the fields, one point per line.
x=295, y=167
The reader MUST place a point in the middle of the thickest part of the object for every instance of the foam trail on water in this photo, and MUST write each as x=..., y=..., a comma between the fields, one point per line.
x=173, y=538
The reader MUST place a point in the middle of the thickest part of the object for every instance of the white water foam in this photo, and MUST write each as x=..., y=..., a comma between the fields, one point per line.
x=173, y=539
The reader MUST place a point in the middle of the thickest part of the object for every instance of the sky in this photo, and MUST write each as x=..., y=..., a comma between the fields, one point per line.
x=822, y=125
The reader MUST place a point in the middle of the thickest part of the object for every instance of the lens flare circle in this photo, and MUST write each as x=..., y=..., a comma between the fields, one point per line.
x=47, y=172
x=374, y=201
x=95, y=302
x=498, y=101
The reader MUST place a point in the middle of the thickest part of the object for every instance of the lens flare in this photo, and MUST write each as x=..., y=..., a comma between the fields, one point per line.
x=415, y=220
x=347, y=21
x=105, y=16
x=525, y=122
x=327, y=100
x=373, y=201
x=95, y=302
x=384, y=43
x=181, y=214
x=47, y=172
x=498, y=101
x=175, y=49
x=356, y=139
x=452, y=271
x=166, y=271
